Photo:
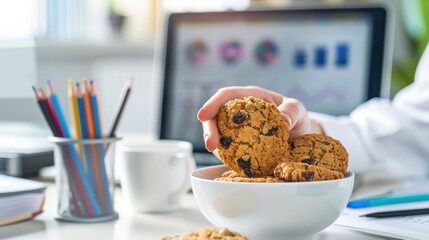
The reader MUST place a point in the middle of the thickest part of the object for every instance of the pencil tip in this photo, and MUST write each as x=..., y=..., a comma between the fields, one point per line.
x=34, y=88
x=77, y=84
x=130, y=82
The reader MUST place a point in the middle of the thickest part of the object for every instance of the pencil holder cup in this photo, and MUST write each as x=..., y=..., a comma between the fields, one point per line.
x=84, y=179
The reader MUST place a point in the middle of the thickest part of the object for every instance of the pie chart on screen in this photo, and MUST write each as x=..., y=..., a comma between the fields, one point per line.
x=266, y=52
x=196, y=52
x=230, y=51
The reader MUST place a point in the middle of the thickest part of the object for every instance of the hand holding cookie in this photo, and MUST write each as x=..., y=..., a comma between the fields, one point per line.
x=254, y=144
x=253, y=136
x=291, y=109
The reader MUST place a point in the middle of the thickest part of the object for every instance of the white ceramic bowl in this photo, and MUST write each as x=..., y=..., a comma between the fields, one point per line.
x=270, y=210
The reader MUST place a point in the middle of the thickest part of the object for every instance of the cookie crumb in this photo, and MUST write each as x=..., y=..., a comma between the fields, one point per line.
x=208, y=234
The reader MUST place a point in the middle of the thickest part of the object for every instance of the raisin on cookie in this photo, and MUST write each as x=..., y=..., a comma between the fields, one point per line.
x=319, y=150
x=209, y=234
x=303, y=172
x=253, y=136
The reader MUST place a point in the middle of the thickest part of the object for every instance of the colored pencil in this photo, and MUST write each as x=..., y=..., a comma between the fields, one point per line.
x=57, y=109
x=43, y=108
x=94, y=90
x=95, y=110
x=88, y=111
x=89, y=194
x=96, y=175
x=96, y=178
x=84, y=128
x=93, y=155
x=120, y=108
x=102, y=168
x=82, y=116
x=50, y=109
x=74, y=110
x=74, y=113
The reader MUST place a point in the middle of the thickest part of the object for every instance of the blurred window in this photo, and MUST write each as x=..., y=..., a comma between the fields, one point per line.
x=18, y=19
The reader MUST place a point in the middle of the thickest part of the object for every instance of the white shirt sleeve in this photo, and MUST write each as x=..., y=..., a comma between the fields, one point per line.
x=388, y=137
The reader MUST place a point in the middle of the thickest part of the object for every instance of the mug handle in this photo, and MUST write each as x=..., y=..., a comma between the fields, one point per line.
x=190, y=166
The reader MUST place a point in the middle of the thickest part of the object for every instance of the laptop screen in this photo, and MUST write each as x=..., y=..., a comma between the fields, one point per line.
x=326, y=58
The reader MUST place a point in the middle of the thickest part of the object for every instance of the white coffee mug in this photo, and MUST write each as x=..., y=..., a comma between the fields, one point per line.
x=156, y=174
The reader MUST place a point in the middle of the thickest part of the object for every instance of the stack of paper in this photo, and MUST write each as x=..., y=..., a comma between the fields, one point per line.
x=406, y=227
x=409, y=227
x=20, y=199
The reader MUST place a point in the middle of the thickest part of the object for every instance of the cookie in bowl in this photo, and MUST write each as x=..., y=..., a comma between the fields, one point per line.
x=303, y=172
x=319, y=150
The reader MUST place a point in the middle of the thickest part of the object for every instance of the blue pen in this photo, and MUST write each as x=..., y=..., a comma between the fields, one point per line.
x=381, y=201
x=75, y=156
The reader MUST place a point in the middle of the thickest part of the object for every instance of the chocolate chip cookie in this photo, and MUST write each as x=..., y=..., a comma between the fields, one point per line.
x=303, y=172
x=209, y=234
x=319, y=150
x=253, y=136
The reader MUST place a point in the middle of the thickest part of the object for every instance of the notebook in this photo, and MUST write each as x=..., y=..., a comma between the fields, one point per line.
x=20, y=199
x=408, y=227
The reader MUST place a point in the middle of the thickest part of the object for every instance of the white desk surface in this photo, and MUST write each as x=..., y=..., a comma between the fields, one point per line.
x=132, y=225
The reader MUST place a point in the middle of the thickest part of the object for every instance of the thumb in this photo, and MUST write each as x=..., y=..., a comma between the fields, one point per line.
x=295, y=114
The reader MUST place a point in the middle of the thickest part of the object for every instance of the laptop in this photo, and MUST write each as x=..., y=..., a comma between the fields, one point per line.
x=332, y=59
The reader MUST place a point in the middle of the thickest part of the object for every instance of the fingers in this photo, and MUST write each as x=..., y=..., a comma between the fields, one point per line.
x=211, y=135
x=292, y=109
x=287, y=118
x=315, y=127
x=294, y=112
x=212, y=106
